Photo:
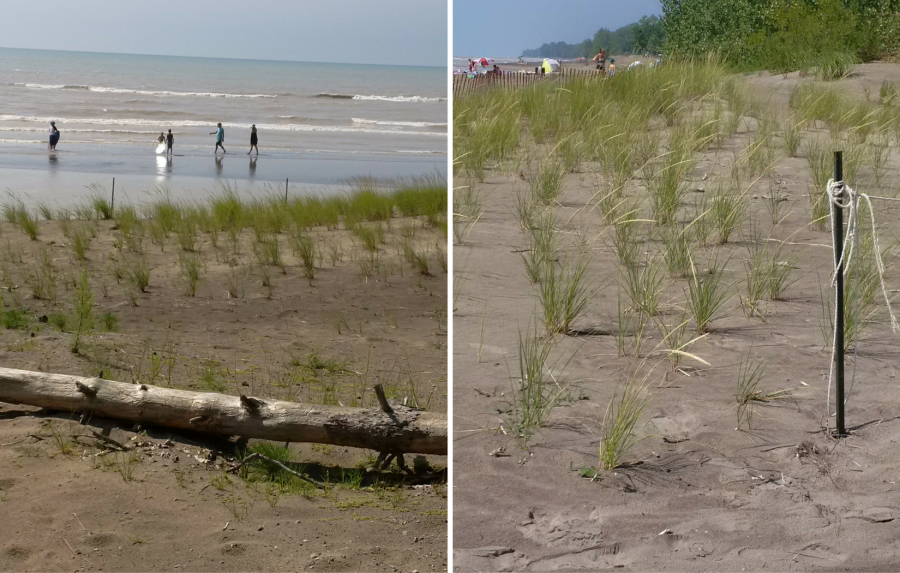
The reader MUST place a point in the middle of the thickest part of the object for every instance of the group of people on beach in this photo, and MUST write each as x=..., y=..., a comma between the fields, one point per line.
x=220, y=140
x=169, y=139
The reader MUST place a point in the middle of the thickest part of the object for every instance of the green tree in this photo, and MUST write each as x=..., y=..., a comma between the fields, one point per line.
x=648, y=35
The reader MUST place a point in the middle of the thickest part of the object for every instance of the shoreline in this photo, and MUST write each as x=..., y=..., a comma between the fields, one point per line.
x=44, y=177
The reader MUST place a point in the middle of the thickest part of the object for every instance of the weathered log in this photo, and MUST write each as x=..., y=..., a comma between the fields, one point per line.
x=403, y=430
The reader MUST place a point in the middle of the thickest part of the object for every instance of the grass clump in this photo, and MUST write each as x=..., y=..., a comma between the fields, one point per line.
x=541, y=246
x=537, y=391
x=727, y=212
x=138, y=272
x=467, y=210
x=832, y=66
x=677, y=253
x=81, y=240
x=28, y=222
x=546, y=186
x=14, y=319
x=644, y=286
x=564, y=294
x=83, y=310
x=618, y=428
x=43, y=279
x=707, y=295
x=190, y=272
x=792, y=133
x=305, y=248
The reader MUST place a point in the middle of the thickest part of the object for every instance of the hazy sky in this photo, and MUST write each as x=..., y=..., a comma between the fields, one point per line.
x=403, y=32
x=504, y=28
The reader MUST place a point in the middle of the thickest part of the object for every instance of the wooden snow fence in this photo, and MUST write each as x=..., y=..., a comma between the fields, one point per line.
x=391, y=429
x=464, y=85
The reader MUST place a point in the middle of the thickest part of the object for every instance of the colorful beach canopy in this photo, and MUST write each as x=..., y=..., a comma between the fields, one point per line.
x=550, y=66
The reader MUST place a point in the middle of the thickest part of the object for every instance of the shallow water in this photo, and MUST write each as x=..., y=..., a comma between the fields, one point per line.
x=319, y=124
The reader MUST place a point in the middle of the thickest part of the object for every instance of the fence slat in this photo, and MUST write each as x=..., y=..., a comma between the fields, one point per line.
x=464, y=85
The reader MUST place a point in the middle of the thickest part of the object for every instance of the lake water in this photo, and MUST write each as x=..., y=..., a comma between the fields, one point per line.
x=319, y=125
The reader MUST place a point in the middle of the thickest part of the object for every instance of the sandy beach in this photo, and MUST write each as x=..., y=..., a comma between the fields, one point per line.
x=695, y=493
x=249, y=324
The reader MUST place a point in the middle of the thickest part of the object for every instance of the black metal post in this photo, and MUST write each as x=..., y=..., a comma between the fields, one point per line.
x=285, y=189
x=837, y=232
x=112, y=202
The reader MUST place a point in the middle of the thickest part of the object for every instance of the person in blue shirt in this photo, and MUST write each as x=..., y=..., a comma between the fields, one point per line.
x=220, y=138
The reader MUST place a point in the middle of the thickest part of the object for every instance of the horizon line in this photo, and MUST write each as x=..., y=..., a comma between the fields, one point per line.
x=216, y=58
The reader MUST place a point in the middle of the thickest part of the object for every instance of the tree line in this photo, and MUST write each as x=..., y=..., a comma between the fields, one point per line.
x=644, y=36
x=779, y=35
x=782, y=35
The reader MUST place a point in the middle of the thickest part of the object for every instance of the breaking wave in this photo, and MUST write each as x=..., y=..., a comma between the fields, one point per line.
x=190, y=123
x=416, y=99
x=141, y=92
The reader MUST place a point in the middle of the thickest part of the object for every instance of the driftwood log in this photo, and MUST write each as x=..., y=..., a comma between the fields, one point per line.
x=398, y=429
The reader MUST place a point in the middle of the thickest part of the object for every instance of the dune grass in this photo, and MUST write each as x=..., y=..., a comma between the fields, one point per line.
x=564, y=293
x=707, y=294
x=539, y=387
x=618, y=430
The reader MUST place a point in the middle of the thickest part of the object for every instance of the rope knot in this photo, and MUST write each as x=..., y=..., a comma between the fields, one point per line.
x=835, y=191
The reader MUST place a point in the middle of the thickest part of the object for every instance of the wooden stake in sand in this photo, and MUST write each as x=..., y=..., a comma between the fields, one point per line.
x=399, y=430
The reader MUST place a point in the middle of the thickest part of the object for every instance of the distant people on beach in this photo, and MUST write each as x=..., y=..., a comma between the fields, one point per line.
x=253, y=140
x=612, y=68
x=220, y=138
x=600, y=58
x=54, y=136
x=162, y=138
x=497, y=71
x=170, y=140
x=472, y=65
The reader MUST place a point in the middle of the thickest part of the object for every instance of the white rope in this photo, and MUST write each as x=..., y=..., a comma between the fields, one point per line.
x=840, y=195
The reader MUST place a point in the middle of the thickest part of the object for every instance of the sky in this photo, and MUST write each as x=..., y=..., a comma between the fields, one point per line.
x=398, y=32
x=504, y=28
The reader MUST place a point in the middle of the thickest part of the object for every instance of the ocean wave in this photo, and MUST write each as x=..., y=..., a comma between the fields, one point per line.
x=103, y=89
x=417, y=99
x=401, y=98
x=400, y=123
x=44, y=141
x=77, y=130
x=189, y=123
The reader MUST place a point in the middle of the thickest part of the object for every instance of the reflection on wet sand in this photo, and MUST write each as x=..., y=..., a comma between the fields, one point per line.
x=163, y=165
x=252, y=167
x=218, y=165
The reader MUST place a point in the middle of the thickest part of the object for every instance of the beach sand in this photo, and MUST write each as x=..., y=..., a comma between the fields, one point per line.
x=329, y=341
x=698, y=495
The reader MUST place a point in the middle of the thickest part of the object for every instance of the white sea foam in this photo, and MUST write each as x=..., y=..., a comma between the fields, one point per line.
x=415, y=99
x=77, y=130
x=400, y=98
x=189, y=123
x=141, y=92
x=401, y=123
